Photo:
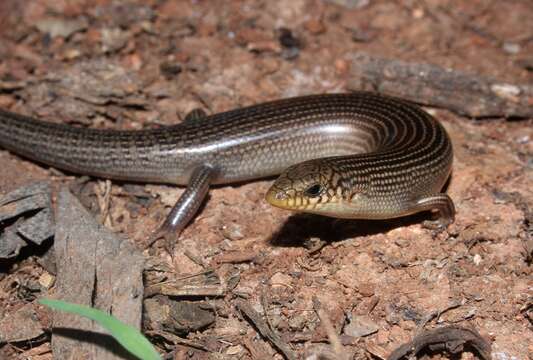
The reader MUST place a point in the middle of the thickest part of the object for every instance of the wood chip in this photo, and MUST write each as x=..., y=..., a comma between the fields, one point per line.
x=236, y=257
x=95, y=268
x=177, y=317
x=467, y=94
x=333, y=336
x=20, y=325
x=33, y=199
x=204, y=284
x=361, y=325
x=261, y=325
x=10, y=243
x=178, y=340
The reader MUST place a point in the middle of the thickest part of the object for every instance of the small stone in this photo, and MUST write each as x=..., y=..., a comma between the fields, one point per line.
x=362, y=35
x=244, y=292
x=267, y=66
x=234, y=350
x=114, y=39
x=147, y=27
x=297, y=322
x=180, y=317
x=155, y=312
x=134, y=61
x=401, y=242
x=246, y=36
x=392, y=315
x=366, y=289
x=46, y=280
x=20, y=325
x=232, y=231
x=61, y=27
x=6, y=101
x=315, y=26
x=280, y=279
x=506, y=91
x=511, y=48
x=361, y=325
x=418, y=13
x=71, y=54
x=523, y=139
x=341, y=66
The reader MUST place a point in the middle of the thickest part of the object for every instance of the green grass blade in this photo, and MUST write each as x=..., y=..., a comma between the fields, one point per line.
x=128, y=336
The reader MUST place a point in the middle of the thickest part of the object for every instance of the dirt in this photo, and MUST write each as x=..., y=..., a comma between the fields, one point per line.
x=135, y=64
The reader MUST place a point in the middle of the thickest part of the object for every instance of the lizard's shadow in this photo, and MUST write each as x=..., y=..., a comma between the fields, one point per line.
x=301, y=227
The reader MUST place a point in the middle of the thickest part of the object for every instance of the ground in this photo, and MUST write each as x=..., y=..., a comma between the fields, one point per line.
x=134, y=64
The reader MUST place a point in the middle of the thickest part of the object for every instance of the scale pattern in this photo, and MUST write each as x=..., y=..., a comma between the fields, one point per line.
x=384, y=153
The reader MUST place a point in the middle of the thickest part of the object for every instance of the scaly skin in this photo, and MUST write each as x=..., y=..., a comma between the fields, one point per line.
x=366, y=155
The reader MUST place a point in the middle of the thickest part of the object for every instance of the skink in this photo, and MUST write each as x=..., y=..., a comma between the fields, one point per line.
x=356, y=155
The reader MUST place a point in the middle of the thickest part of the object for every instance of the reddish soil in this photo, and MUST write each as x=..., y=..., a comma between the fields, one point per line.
x=134, y=64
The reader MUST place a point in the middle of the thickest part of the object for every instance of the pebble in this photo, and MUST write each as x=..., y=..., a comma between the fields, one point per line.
x=232, y=231
x=401, y=242
x=477, y=259
x=297, y=322
x=507, y=91
x=361, y=325
x=71, y=54
x=341, y=66
x=511, y=48
x=234, y=350
x=315, y=26
x=280, y=279
x=366, y=289
x=46, y=280
x=56, y=27
x=6, y=101
x=418, y=13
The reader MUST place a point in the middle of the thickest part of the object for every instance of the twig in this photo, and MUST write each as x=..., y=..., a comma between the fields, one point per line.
x=186, y=290
x=236, y=257
x=449, y=338
x=256, y=351
x=469, y=94
x=437, y=314
x=334, y=339
x=102, y=189
x=264, y=330
x=196, y=259
x=177, y=340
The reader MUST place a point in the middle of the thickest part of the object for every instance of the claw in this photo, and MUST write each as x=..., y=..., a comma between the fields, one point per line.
x=168, y=234
x=435, y=225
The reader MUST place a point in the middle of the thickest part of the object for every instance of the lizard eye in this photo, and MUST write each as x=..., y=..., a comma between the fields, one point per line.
x=313, y=190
